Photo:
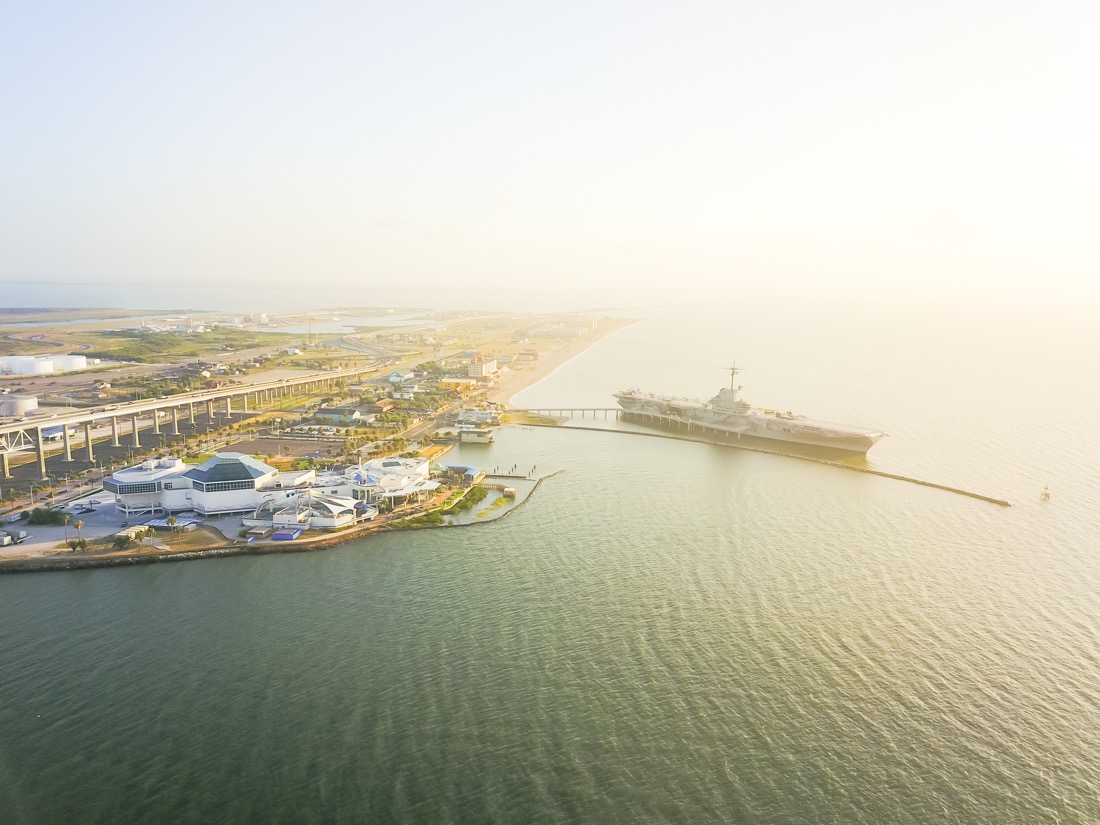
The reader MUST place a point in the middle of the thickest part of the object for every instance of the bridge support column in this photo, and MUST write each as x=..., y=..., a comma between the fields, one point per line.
x=175, y=420
x=244, y=403
x=135, y=431
x=114, y=430
x=209, y=412
x=4, y=464
x=228, y=407
x=40, y=453
x=191, y=412
x=156, y=422
x=88, y=441
x=65, y=441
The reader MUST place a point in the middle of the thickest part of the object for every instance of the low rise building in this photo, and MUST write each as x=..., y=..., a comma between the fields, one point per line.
x=236, y=483
x=382, y=405
x=340, y=415
x=461, y=383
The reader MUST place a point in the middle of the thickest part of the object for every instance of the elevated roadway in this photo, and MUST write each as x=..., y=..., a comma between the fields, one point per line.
x=22, y=436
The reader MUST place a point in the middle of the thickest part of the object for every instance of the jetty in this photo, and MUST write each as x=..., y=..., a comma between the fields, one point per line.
x=717, y=438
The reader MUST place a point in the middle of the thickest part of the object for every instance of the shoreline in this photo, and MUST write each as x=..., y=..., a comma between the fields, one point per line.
x=516, y=381
x=47, y=564
x=45, y=559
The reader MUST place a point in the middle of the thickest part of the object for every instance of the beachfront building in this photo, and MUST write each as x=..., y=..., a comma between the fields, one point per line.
x=463, y=475
x=236, y=483
x=224, y=483
x=482, y=368
x=311, y=510
x=477, y=418
x=154, y=486
x=396, y=480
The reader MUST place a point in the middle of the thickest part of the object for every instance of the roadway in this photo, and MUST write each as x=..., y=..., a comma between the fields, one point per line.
x=19, y=436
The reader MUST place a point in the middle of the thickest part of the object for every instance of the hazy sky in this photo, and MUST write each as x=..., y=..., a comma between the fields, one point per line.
x=585, y=144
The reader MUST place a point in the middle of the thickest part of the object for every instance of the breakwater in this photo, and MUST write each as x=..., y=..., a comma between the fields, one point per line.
x=838, y=464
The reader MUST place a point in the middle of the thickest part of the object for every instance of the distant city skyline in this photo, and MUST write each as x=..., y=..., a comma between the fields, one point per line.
x=588, y=147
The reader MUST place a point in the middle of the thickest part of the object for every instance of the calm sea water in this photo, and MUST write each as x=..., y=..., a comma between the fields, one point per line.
x=666, y=632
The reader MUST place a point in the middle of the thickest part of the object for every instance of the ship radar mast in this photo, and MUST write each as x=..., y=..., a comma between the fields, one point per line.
x=733, y=375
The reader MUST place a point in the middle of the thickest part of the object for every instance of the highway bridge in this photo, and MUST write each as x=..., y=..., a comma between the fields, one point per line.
x=22, y=436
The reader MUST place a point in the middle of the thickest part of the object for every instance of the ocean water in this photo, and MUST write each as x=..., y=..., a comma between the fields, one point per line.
x=666, y=632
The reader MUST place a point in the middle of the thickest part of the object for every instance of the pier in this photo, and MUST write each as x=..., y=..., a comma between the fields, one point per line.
x=573, y=412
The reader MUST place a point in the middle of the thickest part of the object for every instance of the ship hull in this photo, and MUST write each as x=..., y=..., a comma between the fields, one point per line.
x=849, y=445
x=765, y=427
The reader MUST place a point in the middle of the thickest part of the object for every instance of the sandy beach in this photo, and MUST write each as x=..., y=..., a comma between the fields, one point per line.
x=515, y=381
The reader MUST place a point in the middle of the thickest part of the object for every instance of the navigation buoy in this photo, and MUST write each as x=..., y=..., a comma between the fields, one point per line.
x=1045, y=495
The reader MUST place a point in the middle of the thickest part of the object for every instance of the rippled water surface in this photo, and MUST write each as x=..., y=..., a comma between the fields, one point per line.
x=666, y=632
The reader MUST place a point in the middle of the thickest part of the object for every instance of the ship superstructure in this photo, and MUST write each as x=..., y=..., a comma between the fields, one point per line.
x=727, y=413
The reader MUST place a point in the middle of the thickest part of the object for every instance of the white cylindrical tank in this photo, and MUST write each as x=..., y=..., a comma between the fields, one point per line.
x=69, y=363
x=18, y=404
x=30, y=365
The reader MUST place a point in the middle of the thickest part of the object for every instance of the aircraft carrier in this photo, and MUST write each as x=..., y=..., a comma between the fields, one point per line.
x=726, y=413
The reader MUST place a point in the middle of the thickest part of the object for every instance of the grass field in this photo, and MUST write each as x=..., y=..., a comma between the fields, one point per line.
x=131, y=345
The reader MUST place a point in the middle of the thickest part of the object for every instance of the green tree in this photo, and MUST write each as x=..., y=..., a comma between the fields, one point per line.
x=171, y=522
x=122, y=542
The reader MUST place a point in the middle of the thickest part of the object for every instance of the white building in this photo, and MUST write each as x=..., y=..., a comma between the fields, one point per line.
x=482, y=367
x=394, y=478
x=310, y=510
x=225, y=483
x=236, y=483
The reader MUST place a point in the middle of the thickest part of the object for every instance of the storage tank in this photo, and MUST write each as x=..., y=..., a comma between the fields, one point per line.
x=18, y=404
x=27, y=365
x=69, y=363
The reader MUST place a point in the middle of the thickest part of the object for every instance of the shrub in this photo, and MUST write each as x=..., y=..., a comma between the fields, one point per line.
x=46, y=515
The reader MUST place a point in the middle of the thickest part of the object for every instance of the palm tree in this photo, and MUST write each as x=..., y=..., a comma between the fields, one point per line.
x=171, y=522
x=65, y=521
x=78, y=524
